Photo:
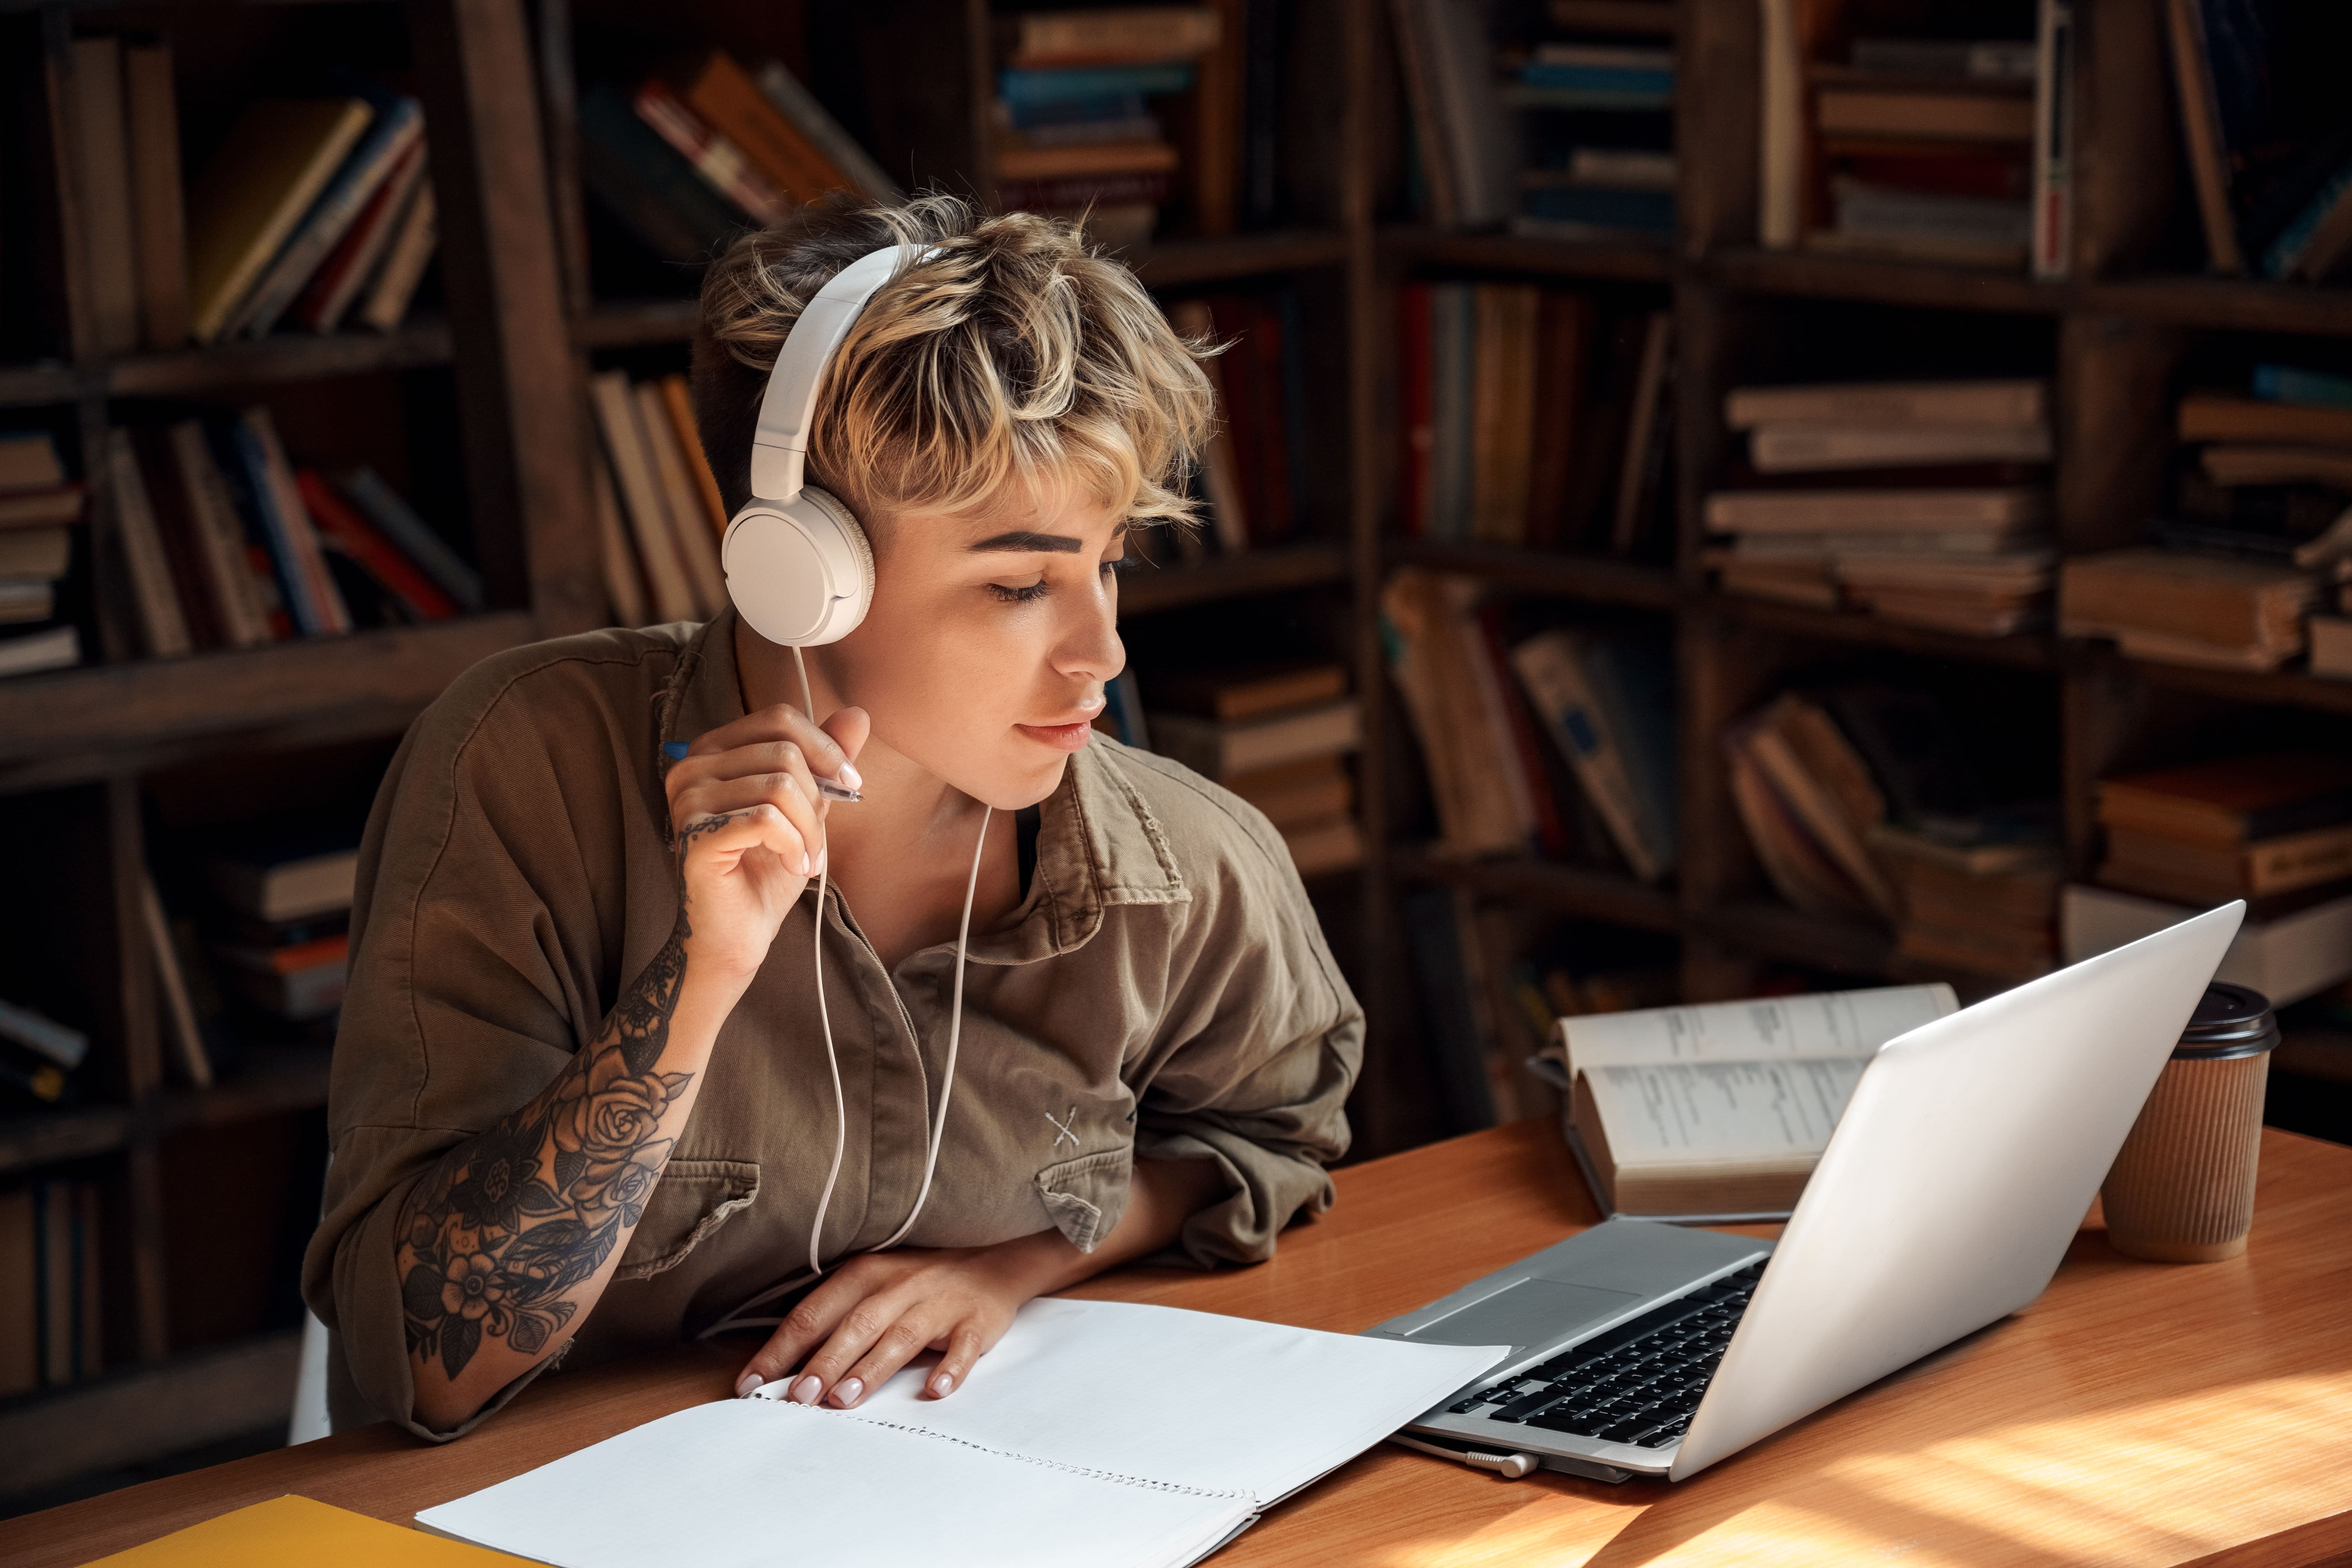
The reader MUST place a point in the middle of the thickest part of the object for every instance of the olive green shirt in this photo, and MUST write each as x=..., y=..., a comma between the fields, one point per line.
x=1163, y=989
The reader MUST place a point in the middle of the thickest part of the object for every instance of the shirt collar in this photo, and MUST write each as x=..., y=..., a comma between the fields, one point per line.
x=1098, y=844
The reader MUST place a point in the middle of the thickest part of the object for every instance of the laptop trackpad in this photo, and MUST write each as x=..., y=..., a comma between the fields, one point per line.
x=1531, y=1312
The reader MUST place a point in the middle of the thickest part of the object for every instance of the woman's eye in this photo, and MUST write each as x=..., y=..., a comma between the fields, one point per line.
x=1021, y=595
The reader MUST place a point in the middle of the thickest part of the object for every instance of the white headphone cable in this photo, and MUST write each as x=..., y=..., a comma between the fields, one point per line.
x=832, y=1061
x=955, y=1032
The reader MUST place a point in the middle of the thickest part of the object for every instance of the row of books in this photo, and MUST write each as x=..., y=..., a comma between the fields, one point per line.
x=40, y=508
x=1951, y=149
x=311, y=212
x=1849, y=799
x=1278, y=736
x=659, y=518
x=1562, y=130
x=225, y=543
x=1525, y=742
x=704, y=146
x=1252, y=480
x=1532, y=417
x=1926, y=502
x=2269, y=152
x=2273, y=829
x=52, y=1327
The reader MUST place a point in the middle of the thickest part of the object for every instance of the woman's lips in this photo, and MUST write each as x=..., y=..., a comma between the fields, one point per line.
x=1061, y=737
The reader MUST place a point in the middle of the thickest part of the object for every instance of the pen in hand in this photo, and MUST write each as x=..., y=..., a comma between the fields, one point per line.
x=675, y=750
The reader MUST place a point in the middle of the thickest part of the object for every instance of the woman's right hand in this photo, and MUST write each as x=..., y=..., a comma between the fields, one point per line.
x=750, y=826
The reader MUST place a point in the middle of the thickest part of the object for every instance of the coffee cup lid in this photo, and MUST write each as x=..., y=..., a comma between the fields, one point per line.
x=2229, y=1021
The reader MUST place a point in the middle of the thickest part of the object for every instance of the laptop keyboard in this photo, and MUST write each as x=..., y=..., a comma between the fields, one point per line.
x=1640, y=1383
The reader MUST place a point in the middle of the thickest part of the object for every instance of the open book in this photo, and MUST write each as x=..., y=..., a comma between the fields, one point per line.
x=1718, y=1113
x=1096, y=1434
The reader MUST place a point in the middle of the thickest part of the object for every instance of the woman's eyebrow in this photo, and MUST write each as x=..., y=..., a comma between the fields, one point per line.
x=1021, y=541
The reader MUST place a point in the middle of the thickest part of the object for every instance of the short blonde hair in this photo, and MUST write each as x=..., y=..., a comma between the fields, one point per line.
x=1017, y=359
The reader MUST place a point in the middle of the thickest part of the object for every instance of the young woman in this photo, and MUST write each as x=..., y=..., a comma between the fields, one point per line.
x=584, y=1095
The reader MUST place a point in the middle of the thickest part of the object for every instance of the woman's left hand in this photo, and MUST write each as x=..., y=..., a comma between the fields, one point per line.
x=880, y=1310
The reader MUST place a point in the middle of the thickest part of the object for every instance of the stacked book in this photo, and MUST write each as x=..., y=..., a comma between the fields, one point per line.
x=659, y=518
x=1532, y=416
x=1560, y=742
x=2273, y=829
x=1926, y=502
x=1081, y=101
x=38, y=508
x=1981, y=902
x=1937, y=148
x=52, y=1309
x=1252, y=480
x=2268, y=156
x=2179, y=606
x=311, y=211
x=1278, y=738
x=226, y=544
x=1597, y=121
x=278, y=936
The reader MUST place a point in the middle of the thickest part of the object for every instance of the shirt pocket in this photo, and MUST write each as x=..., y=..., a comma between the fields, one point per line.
x=693, y=1199
x=1086, y=1197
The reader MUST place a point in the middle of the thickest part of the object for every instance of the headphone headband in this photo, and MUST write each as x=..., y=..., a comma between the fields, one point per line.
x=780, y=444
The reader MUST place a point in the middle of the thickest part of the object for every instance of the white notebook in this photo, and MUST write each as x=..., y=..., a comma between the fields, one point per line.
x=1096, y=1434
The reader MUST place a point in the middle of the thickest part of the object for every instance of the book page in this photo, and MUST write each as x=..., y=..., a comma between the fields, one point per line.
x=1721, y=1113
x=749, y=1481
x=1768, y=1028
x=1197, y=1398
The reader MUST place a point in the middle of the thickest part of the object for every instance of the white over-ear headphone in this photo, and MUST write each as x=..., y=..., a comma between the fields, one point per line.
x=802, y=574
x=798, y=564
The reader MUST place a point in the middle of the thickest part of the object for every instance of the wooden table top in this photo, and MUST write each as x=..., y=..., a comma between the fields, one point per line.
x=2138, y=1413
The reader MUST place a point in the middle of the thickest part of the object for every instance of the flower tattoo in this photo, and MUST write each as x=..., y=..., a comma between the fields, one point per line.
x=512, y=1219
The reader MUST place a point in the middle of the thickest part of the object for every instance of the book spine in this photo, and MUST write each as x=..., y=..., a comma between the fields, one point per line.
x=1413, y=401
x=798, y=105
x=159, y=212
x=624, y=585
x=316, y=603
x=2200, y=128
x=335, y=518
x=617, y=417
x=1562, y=697
x=104, y=164
x=723, y=165
x=646, y=184
x=163, y=630
x=403, y=267
x=337, y=284
x=690, y=525
x=220, y=538
x=2053, y=142
x=397, y=521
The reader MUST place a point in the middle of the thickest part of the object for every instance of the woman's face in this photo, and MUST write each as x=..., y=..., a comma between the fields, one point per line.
x=991, y=636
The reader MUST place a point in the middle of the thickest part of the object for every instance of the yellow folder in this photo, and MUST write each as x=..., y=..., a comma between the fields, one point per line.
x=296, y=1532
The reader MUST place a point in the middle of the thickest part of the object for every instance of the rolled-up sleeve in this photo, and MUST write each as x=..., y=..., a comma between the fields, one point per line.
x=477, y=958
x=1264, y=1042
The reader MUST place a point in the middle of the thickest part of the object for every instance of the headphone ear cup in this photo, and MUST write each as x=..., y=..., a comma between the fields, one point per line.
x=801, y=572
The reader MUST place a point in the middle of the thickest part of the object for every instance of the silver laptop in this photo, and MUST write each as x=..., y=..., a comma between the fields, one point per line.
x=1947, y=1197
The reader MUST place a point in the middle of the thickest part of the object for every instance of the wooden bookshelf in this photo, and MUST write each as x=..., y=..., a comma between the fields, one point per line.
x=2120, y=331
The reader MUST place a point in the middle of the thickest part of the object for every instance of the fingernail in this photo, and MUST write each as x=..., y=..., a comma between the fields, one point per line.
x=821, y=855
x=748, y=1385
x=846, y=1391
x=942, y=1385
x=674, y=750
x=805, y=1391
x=848, y=775
x=808, y=867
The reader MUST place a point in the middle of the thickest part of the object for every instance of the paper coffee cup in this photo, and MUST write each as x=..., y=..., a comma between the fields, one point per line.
x=2182, y=1188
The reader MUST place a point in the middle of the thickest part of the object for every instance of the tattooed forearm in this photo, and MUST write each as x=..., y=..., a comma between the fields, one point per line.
x=512, y=1222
